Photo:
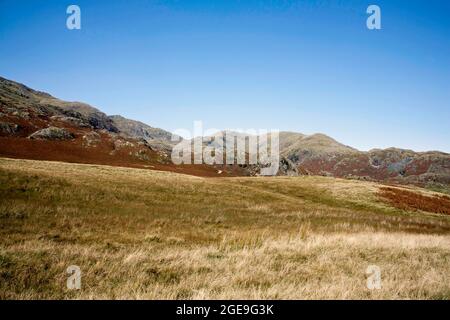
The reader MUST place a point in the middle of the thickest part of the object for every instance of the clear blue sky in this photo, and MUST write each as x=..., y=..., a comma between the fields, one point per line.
x=306, y=66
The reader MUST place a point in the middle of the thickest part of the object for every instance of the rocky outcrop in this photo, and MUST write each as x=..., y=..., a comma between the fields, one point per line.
x=8, y=128
x=288, y=168
x=52, y=133
x=392, y=164
x=78, y=122
x=91, y=139
x=158, y=139
x=88, y=114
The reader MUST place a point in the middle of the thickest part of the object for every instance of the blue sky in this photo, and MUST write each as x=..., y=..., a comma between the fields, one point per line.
x=305, y=66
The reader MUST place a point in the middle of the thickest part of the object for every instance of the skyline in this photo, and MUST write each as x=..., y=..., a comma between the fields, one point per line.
x=234, y=65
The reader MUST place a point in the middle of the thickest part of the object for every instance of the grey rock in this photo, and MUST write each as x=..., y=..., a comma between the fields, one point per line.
x=52, y=133
x=72, y=120
x=91, y=139
x=8, y=128
x=287, y=167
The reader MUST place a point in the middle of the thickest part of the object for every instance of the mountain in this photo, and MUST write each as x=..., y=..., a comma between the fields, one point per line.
x=23, y=102
x=156, y=138
x=36, y=125
x=296, y=145
x=319, y=154
x=27, y=104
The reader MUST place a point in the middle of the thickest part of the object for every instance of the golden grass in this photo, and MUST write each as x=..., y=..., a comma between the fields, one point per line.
x=141, y=234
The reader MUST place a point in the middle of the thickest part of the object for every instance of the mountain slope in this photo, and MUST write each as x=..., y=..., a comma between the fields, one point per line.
x=25, y=103
x=321, y=155
x=155, y=137
x=36, y=125
x=319, y=144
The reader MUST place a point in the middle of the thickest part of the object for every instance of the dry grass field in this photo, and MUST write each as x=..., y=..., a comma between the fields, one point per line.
x=142, y=234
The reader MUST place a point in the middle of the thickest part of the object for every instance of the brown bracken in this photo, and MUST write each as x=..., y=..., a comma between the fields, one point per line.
x=408, y=200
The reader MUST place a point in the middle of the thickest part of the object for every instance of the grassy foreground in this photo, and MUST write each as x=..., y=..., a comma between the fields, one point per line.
x=141, y=234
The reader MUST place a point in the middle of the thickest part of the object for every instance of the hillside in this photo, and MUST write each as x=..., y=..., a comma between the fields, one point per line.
x=158, y=139
x=142, y=234
x=295, y=145
x=36, y=125
x=321, y=155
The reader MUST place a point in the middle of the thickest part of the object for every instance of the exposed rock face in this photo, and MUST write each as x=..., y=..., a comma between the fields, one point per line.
x=158, y=139
x=288, y=168
x=120, y=144
x=52, y=133
x=324, y=156
x=8, y=128
x=19, y=101
x=88, y=114
x=79, y=122
x=91, y=139
x=142, y=155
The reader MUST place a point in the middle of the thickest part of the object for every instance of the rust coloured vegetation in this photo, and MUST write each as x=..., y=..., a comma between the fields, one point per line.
x=409, y=200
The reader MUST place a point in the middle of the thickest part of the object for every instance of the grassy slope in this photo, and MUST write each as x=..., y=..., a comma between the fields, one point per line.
x=147, y=234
